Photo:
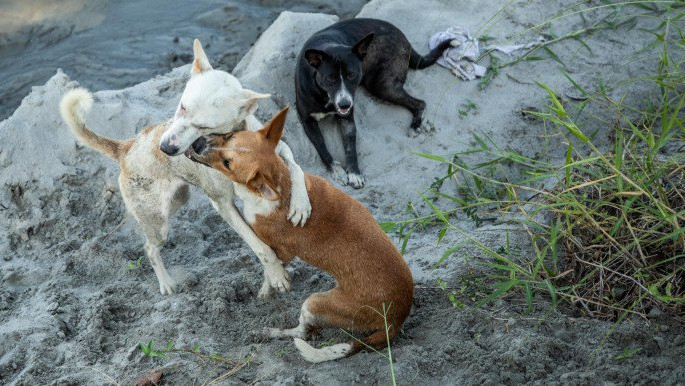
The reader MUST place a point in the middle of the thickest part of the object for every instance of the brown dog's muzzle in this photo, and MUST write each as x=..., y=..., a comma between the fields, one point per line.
x=197, y=151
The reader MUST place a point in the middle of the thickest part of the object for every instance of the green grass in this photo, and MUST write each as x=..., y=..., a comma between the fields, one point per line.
x=606, y=223
x=133, y=265
x=213, y=360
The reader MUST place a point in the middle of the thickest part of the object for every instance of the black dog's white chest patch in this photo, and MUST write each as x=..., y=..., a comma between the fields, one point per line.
x=320, y=116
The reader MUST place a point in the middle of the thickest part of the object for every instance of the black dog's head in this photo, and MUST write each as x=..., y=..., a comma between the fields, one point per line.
x=339, y=71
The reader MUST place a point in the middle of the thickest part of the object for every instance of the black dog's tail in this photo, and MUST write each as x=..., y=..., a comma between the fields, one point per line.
x=418, y=62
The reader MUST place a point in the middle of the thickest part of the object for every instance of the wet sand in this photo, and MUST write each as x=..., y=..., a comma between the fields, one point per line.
x=107, y=45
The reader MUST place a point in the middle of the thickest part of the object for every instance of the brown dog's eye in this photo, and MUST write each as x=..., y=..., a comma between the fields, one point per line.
x=227, y=164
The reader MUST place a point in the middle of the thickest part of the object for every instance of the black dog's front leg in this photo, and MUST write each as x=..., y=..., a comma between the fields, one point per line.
x=311, y=128
x=349, y=137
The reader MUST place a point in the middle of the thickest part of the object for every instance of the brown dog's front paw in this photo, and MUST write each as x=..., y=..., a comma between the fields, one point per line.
x=278, y=277
x=266, y=291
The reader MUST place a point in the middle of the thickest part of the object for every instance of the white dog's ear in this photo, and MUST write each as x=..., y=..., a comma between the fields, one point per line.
x=200, y=63
x=249, y=103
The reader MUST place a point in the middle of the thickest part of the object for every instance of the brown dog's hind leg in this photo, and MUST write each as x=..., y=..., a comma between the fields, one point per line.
x=337, y=309
x=307, y=323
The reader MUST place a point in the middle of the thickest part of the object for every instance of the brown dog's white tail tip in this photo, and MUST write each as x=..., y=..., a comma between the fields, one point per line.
x=317, y=355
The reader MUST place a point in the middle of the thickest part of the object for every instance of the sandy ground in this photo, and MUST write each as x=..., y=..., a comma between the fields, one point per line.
x=72, y=310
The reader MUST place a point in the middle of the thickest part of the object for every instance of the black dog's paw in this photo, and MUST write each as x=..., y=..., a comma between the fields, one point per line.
x=425, y=128
x=338, y=172
x=416, y=123
x=355, y=180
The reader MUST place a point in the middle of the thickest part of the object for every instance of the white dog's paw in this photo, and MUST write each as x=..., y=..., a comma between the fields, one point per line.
x=355, y=180
x=166, y=286
x=266, y=291
x=278, y=277
x=300, y=208
x=339, y=174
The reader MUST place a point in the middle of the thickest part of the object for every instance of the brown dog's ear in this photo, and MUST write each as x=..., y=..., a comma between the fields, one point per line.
x=273, y=131
x=314, y=57
x=200, y=63
x=263, y=186
x=362, y=46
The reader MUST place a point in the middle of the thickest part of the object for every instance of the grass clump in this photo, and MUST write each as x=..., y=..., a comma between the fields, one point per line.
x=226, y=366
x=619, y=216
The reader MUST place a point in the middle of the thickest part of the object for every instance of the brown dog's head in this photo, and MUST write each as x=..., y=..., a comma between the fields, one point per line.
x=247, y=158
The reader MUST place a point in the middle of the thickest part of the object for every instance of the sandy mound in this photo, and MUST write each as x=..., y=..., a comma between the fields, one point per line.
x=73, y=310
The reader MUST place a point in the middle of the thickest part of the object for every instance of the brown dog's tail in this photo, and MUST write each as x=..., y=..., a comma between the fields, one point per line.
x=418, y=62
x=74, y=105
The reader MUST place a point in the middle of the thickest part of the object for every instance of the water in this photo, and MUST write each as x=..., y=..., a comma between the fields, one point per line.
x=106, y=44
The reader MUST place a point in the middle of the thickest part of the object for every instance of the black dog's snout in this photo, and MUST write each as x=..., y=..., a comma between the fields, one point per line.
x=200, y=145
x=345, y=105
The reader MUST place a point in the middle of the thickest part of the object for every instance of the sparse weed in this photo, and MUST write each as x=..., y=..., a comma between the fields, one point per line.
x=627, y=353
x=384, y=315
x=134, y=264
x=232, y=366
x=467, y=107
x=282, y=352
x=148, y=349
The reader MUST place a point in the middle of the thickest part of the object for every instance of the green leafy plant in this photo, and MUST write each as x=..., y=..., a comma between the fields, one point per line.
x=467, y=107
x=148, y=349
x=606, y=224
x=134, y=264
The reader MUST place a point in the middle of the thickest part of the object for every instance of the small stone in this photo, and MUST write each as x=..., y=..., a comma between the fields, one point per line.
x=7, y=257
x=663, y=328
x=10, y=277
x=654, y=313
x=53, y=306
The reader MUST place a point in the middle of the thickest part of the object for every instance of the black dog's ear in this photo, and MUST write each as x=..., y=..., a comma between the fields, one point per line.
x=362, y=46
x=314, y=57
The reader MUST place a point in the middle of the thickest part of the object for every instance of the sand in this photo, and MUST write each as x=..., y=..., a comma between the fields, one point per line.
x=73, y=310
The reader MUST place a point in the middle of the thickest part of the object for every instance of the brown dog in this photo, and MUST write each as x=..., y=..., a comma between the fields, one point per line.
x=341, y=238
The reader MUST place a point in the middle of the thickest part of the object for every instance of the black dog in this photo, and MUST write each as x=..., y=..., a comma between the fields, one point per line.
x=335, y=61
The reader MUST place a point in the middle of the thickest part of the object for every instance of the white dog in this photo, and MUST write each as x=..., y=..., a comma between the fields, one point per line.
x=154, y=183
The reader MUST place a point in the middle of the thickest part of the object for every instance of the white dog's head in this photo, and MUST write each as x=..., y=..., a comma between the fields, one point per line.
x=212, y=102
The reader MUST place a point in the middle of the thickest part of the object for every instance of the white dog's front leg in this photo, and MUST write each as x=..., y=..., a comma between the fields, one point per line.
x=274, y=271
x=300, y=207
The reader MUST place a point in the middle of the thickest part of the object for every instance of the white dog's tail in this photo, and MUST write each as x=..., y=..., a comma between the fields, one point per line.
x=316, y=355
x=74, y=105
